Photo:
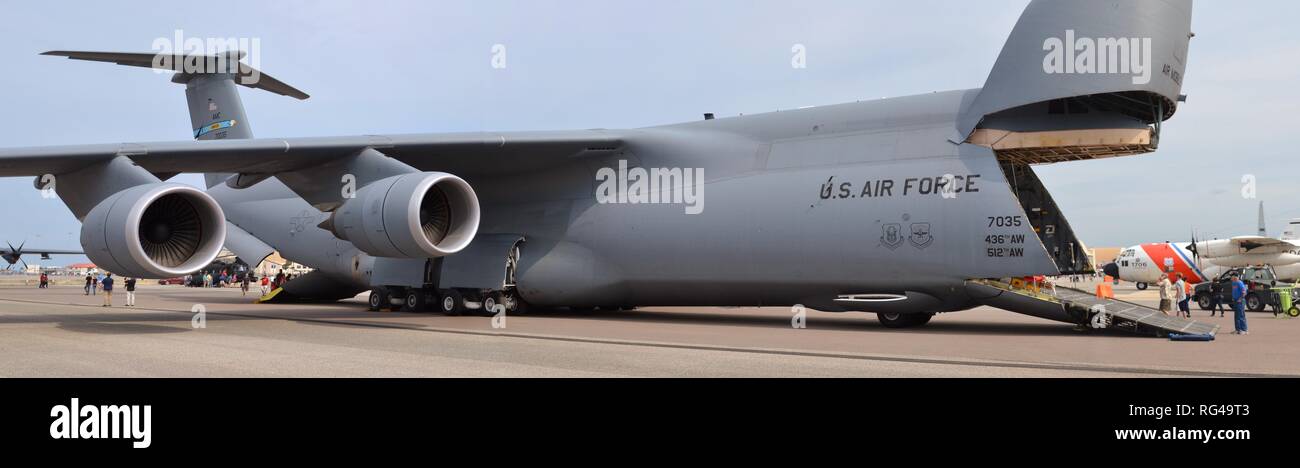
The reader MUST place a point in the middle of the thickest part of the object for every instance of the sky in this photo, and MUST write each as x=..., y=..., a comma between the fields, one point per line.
x=426, y=66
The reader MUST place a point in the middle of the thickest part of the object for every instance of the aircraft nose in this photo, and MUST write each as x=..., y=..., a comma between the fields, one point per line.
x=1111, y=270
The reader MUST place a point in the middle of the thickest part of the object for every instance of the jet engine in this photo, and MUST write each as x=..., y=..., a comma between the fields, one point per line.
x=154, y=231
x=417, y=215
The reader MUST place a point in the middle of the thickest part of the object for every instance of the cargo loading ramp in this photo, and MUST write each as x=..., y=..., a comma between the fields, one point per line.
x=1079, y=307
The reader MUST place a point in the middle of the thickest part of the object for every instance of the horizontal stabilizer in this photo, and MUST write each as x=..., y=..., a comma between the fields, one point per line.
x=184, y=66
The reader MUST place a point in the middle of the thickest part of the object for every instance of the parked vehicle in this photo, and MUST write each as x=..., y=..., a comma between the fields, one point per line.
x=1260, y=282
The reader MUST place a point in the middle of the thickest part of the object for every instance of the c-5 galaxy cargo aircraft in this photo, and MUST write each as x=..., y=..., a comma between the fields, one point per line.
x=905, y=207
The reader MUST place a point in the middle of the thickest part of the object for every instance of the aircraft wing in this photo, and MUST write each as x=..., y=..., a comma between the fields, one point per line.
x=1259, y=244
x=41, y=252
x=471, y=153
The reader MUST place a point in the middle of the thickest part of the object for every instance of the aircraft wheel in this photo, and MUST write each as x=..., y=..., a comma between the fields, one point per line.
x=512, y=303
x=490, y=303
x=415, y=301
x=1203, y=302
x=1294, y=312
x=1142, y=286
x=378, y=298
x=1254, y=303
x=452, y=302
x=897, y=320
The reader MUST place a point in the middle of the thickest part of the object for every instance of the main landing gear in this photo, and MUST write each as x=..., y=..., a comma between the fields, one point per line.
x=452, y=302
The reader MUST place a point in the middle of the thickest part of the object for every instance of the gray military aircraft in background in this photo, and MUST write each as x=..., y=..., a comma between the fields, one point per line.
x=896, y=206
x=13, y=255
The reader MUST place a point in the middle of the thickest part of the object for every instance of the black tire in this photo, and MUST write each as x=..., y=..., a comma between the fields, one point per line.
x=1142, y=286
x=378, y=299
x=416, y=301
x=1293, y=312
x=903, y=320
x=1203, y=301
x=516, y=305
x=490, y=302
x=451, y=302
x=1255, y=303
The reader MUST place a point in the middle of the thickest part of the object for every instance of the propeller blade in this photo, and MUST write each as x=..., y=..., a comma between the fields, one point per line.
x=1196, y=252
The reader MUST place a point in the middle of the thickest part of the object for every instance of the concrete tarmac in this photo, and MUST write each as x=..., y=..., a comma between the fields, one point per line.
x=60, y=332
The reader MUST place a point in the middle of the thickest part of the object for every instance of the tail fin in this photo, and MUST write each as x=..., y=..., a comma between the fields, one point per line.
x=216, y=112
x=1263, y=231
x=1124, y=56
x=1292, y=232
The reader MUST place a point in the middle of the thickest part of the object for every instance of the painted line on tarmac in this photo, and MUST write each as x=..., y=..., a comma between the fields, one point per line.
x=1169, y=372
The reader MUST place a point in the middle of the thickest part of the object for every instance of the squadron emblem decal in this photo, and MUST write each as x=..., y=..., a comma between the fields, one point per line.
x=921, y=237
x=891, y=235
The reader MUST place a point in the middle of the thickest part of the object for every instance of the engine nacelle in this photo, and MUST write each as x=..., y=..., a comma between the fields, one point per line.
x=154, y=231
x=417, y=215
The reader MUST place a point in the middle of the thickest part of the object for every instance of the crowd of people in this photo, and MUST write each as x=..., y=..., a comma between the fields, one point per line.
x=245, y=281
x=103, y=284
x=1177, y=290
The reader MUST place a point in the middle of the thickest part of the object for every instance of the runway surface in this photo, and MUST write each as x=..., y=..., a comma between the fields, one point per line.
x=60, y=332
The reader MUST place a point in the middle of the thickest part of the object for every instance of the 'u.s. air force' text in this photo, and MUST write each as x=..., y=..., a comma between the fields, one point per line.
x=947, y=186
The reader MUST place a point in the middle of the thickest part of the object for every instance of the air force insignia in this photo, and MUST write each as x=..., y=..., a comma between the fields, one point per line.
x=891, y=235
x=921, y=237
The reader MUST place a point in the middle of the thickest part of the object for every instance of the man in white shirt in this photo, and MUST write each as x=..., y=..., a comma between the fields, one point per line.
x=1166, y=295
x=1180, y=294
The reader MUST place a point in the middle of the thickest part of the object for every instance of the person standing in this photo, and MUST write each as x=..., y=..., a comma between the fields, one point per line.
x=1166, y=295
x=45, y=281
x=266, y=283
x=108, y=290
x=1239, y=306
x=1216, y=298
x=89, y=281
x=130, y=291
x=1180, y=294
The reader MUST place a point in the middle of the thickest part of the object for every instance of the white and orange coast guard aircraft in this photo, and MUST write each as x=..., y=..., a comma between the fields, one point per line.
x=1205, y=260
